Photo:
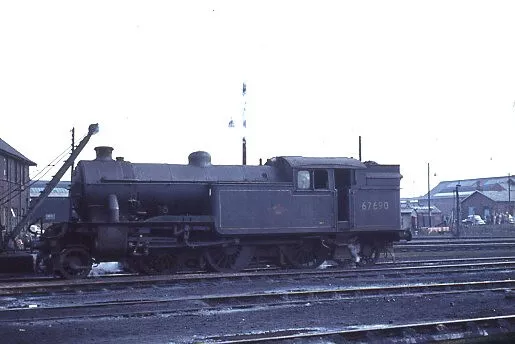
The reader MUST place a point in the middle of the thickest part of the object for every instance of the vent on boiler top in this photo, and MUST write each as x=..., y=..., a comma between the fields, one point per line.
x=200, y=159
x=104, y=153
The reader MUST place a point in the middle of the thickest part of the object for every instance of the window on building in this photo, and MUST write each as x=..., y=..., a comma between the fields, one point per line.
x=16, y=172
x=4, y=166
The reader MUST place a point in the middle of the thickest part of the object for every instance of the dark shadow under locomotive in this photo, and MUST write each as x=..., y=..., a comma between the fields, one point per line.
x=159, y=218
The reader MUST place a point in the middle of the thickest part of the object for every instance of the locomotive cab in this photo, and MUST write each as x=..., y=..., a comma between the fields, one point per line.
x=336, y=181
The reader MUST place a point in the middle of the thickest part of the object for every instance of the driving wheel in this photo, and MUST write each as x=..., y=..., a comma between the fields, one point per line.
x=229, y=259
x=309, y=254
x=74, y=263
x=369, y=254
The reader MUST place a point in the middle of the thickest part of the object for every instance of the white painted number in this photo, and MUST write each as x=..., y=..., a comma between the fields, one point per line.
x=376, y=205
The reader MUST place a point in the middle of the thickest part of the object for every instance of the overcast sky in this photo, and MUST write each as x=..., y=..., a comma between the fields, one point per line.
x=420, y=81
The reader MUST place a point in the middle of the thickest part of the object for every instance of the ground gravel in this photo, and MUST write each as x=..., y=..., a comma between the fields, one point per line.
x=201, y=326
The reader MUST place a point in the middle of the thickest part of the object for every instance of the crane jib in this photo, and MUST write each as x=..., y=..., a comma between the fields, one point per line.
x=92, y=130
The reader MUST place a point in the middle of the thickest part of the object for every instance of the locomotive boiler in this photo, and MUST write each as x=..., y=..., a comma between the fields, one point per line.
x=160, y=218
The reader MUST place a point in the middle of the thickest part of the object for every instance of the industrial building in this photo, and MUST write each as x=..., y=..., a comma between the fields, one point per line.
x=492, y=198
x=55, y=208
x=14, y=181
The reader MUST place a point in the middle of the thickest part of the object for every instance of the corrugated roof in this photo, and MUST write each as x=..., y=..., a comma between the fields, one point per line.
x=43, y=183
x=407, y=211
x=61, y=189
x=56, y=192
x=452, y=194
x=480, y=184
x=7, y=149
x=425, y=209
x=445, y=195
x=499, y=196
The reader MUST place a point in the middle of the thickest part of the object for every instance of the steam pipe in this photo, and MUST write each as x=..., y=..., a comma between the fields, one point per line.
x=114, y=208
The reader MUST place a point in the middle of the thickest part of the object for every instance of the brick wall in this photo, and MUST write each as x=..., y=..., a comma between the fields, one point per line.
x=14, y=193
x=478, y=204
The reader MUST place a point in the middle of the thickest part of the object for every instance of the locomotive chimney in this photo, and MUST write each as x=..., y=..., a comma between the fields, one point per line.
x=200, y=159
x=104, y=153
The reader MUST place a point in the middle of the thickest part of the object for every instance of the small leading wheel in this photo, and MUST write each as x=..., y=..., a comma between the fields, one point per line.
x=309, y=254
x=229, y=259
x=369, y=254
x=74, y=263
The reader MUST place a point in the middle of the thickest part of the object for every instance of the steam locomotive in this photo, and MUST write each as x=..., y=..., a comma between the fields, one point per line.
x=160, y=218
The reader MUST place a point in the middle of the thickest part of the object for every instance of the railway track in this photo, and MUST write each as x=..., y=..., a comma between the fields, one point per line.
x=196, y=304
x=475, y=330
x=383, y=270
x=7, y=278
x=441, y=246
x=463, y=240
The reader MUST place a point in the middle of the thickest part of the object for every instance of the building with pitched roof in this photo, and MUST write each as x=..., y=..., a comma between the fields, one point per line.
x=14, y=181
x=56, y=207
x=488, y=197
x=415, y=215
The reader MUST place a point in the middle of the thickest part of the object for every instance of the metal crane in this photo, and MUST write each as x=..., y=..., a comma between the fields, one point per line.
x=92, y=130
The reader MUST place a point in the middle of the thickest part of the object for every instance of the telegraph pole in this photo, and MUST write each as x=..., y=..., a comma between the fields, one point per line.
x=244, y=125
x=71, y=171
x=509, y=193
x=458, y=212
x=428, y=196
x=359, y=147
x=73, y=149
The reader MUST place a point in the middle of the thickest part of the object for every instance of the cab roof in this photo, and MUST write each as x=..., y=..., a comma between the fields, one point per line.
x=312, y=162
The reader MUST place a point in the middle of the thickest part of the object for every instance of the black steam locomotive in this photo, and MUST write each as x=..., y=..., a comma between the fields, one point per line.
x=160, y=218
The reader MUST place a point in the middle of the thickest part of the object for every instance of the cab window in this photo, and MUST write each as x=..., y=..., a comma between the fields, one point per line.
x=303, y=180
x=312, y=180
x=321, y=180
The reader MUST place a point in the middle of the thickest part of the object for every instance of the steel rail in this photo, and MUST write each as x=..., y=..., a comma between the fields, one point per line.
x=95, y=284
x=417, y=240
x=467, y=330
x=195, y=303
x=445, y=247
x=447, y=260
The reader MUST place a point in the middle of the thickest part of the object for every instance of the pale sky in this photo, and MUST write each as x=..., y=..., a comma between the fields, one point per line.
x=420, y=81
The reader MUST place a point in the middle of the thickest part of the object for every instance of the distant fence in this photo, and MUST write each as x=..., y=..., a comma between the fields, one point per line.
x=469, y=231
x=488, y=230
